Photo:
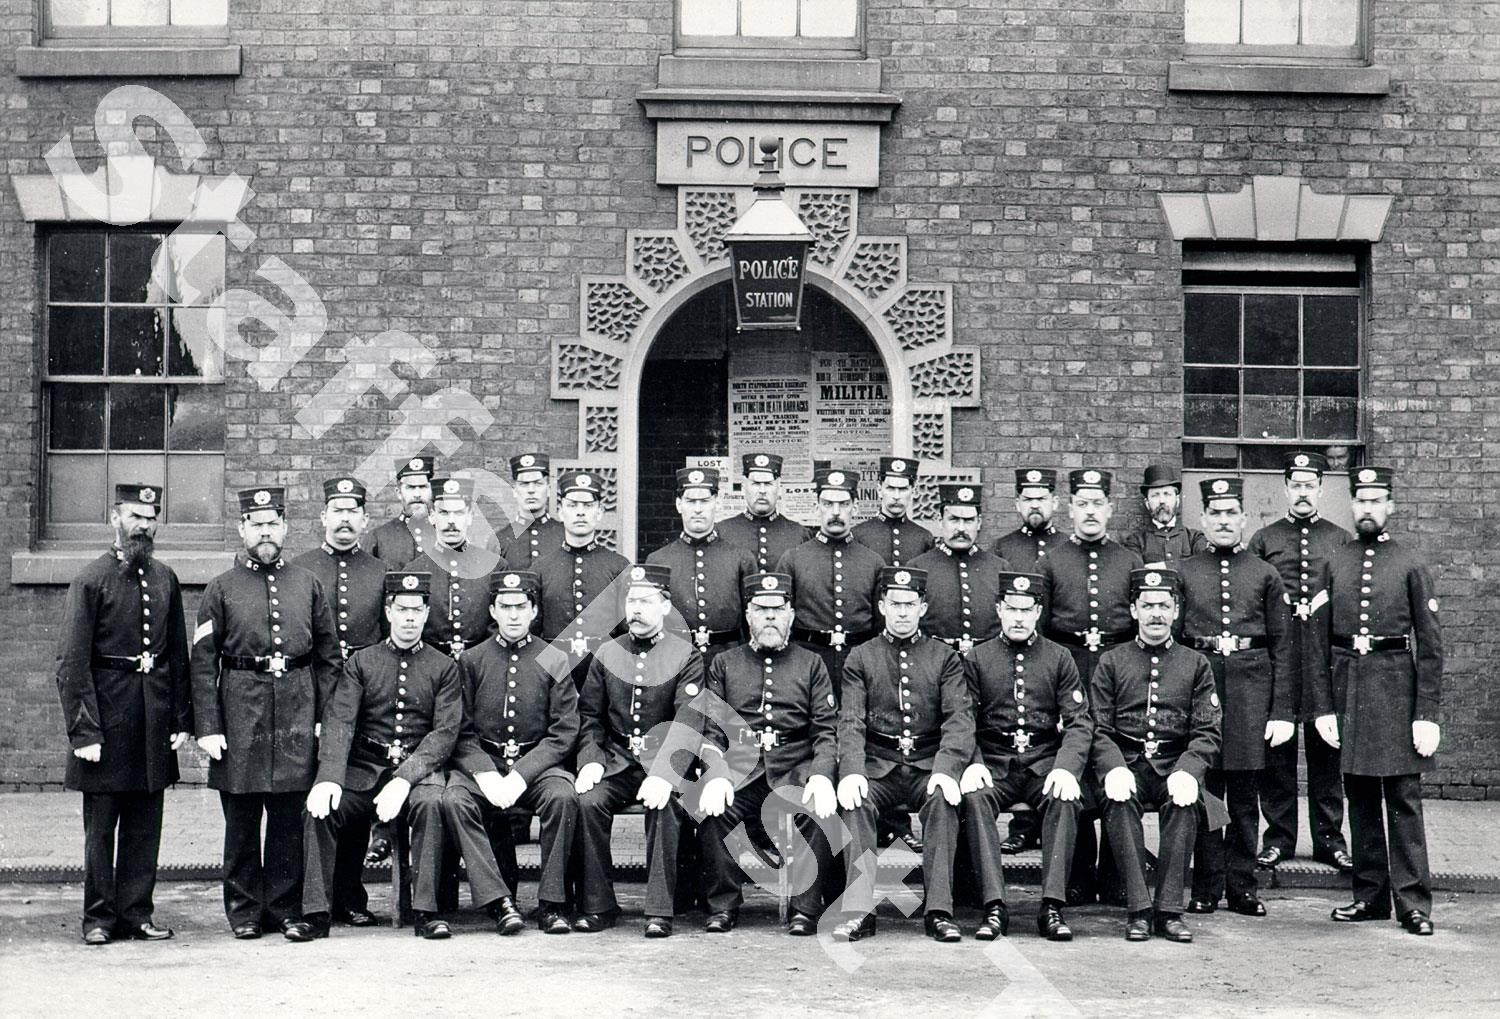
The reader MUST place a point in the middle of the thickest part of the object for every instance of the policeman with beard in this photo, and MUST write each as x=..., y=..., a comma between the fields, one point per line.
x=352, y=578
x=1162, y=540
x=459, y=618
x=541, y=532
x=265, y=658
x=404, y=537
x=761, y=530
x=122, y=674
x=894, y=536
x=1036, y=504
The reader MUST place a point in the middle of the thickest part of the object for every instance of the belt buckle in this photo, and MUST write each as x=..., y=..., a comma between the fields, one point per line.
x=965, y=645
x=1228, y=644
x=1021, y=741
x=1364, y=643
x=637, y=745
x=511, y=750
x=276, y=663
x=906, y=744
x=579, y=646
x=700, y=638
x=836, y=640
x=395, y=752
x=767, y=738
x=1303, y=610
x=1151, y=747
x=147, y=662
x=1093, y=640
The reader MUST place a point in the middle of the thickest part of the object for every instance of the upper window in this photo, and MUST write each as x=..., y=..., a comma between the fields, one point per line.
x=1316, y=29
x=133, y=376
x=131, y=21
x=816, y=25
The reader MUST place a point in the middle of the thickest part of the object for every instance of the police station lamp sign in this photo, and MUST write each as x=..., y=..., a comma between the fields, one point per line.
x=768, y=255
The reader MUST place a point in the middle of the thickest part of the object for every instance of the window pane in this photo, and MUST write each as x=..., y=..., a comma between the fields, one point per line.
x=1262, y=458
x=76, y=265
x=136, y=417
x=709, y=17
x=1330, y=330
x=195, y=489
x=1212, y=21
x=1211, y=404
x=136, y=268
x=1220, y=456
x=139, y=12
x=197, y=343
x=1270, y=403
x=1270, y=22
x=194, y=270
x=76, y=490
x=76, y=416
x=75, y=341
x=826, y=19
x=1270, y=329
x=768, y=17
x=1211, y=328
x=148, y=469
x=200, y=12
x=137, y=339
x=73, y=13
x=195, y=418
x=1330, y=405
x=1330, y=22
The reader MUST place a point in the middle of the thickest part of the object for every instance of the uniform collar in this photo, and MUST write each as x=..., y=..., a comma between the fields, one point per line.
x=707, y=539
x=254, y=566
x=1297, y=521
x=1166, y=528
x=1165, y=645
x=891, y=521
x=441, y=549
x=513, y=646
x=351, y=550
x=580, y=549
x=901, y=642
x=538, y=521
x=769, y=518
x=403, y=650
x=948, y=550
x=641, y=643
x=1044, y=532
x=1013, y=645
x=825, y=539
x=1377, y=539
x=757, y=649
x=1232, y=551
x=1103, y=539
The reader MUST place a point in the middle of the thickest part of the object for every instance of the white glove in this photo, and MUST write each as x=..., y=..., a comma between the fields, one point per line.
x=490, y=787
x=1278, y=733
x=588, y=777
x=717, y=797
x=852, y=791
x=947, y=785
x=213, y=746
x=179, y=740
x=819, y=790
x=1328, y=728
x=1425, y=737
x=323, y=799
x=975, y=778
x=317, y=730
x=510, y=788
x=90, y=753
x=1119, y=784
x=655, y=792
x=390, y=800
x=1061, y=783
x=1183, y=787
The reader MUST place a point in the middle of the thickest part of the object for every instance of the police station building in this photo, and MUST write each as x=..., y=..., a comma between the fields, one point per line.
x=1105, y=233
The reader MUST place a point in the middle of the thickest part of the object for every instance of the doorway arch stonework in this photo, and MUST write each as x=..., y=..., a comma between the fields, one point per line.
x=910, y=323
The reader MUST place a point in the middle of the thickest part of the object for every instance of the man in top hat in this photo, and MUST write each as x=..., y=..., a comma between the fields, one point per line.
x=1299, y=545
x=894, y=536
x=1383, y=705
x=906, y=731
x=352, y=578
x=265, y=658
x=521, y=546
x=776, y=737
x=407, y=535
x=580, y=605
x=962, y=578
x=1033, y=734
x=633, y=721
x=387, y=733
x=707, y=572
x=122, y=674
x=761, y=530
x=1162, y=540
x=1236, y=611
x=1156, y=734
x=458, y=618
x=516, y=749
x=834, y=577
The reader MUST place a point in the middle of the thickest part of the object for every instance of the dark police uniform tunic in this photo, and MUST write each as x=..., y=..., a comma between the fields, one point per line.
x=395, y=713
x=706, y=576
x=113, y=613
x=780, y=729
x=249, y=616
x=633, y=687
x=1031, y=715
x=1237, y=601
x=458, y=616
x=1025, y=549
x=522, y=549
x=1168, y=545
x=905, y=715
x=1300, y=549
x=1086, y=597
x=834, y=592
x=573, y=613
x=401, y=539
x=521, y=715
x=1155, y=712
x=897, y=540
x=962, y=588
x=353, y=583
x=766, y=538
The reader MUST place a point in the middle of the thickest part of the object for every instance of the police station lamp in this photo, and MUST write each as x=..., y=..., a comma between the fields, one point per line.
x=768, y=253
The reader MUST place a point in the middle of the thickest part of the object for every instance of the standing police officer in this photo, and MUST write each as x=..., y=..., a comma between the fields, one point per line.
x=352, y=579
x=574, y=576
x=1162, y=540
x=407, y=535
x=122, y=674
x=761, y=530
x=542, y=533
x=962, y=579
x=458, y=618
x=892, y=533
x=1036, y=503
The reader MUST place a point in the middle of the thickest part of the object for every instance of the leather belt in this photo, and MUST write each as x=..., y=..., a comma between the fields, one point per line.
x=963, y=645
x=1021, y=740
x=395, y=752
x=922, y=746
x=1364, y=643
x=1150, y=748
x=1094, y=640
x=836, y=639
x=511, y=749
x=1227, y=644
x=277, y=663
x=704, y=638
x=767, y=737
x=143, y=662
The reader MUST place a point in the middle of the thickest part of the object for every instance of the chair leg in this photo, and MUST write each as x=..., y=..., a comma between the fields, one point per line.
x=784, y=872
x=401, y=913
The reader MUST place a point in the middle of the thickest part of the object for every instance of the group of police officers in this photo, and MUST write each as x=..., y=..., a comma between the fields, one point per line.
x=780, y=689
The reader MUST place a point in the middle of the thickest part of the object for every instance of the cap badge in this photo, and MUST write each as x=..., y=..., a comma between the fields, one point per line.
x=528, y=460
x=584, y=481
x=638, y=573
x=965, y=495
x=1153, y=579
x=836, y=478
x=345, y=485
x=148, y=496
x=450, y=487
x=262, y=498
x=1033, y=476
x=899, y=466
x=1021, y=584
x=1091, y=477
x=511, y=580
x=769, y=583
x=1366, y=476
x=762, y=461
x=695, y=477
x=416, y=463
x=409, y=582
x=1220, y=487
x=1300, y=460
x=902, y=577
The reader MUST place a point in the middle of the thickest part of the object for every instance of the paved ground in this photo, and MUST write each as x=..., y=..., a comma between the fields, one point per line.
x=1294, y=962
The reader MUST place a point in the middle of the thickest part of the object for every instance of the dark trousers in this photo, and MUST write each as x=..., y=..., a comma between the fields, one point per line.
x=264, y=888
x=1325, y=795
x=906, y=786
x=596, y=819
x=1390, y=852
x=1225, y=860
x=1059, y=833
x=121, y=839
x=810, y=862
x=476, y=825
x=335, y=864
x=1179, y=826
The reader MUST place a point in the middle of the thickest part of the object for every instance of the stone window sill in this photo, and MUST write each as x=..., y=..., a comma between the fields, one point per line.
x=58, y=567
x=172, y=60
x=1313, y=79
